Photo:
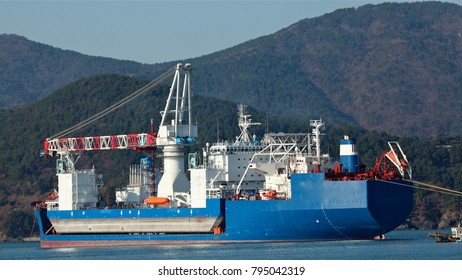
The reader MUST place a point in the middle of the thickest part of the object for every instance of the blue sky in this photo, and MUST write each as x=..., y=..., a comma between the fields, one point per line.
x=157, y=30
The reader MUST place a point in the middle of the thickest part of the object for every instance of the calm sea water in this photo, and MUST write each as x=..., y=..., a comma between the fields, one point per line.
x=399, y=245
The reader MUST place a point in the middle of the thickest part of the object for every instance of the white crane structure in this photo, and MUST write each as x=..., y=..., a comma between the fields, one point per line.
x=175, y=132
x=78, y=189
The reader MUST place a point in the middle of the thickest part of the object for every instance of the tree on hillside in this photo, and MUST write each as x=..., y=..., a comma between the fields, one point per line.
x=19, y=224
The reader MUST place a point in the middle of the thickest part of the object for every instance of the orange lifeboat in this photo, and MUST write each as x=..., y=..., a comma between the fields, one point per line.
x=270, y=194
x=156, y=200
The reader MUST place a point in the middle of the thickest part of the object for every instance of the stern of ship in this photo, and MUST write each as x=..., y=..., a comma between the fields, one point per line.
x=390, y=202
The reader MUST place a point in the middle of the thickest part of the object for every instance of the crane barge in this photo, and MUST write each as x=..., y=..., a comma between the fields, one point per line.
x=281, y=188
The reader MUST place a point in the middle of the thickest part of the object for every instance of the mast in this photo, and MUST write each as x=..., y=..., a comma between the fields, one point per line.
x=315, y=143
x=244, y=123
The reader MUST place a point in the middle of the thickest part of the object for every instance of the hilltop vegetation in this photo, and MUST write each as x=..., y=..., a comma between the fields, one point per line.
x=26, y=177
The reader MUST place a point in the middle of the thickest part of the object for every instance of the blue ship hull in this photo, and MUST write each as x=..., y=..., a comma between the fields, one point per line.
x=318, y=210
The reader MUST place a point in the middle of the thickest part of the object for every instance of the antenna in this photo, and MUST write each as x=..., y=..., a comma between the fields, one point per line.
x=218, y=131
x=153, y=158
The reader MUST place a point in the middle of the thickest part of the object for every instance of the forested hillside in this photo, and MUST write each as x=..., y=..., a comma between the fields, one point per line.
x=25, y=176
x=394, y=67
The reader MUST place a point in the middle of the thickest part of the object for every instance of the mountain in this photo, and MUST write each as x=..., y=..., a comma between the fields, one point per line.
x=389, y=67
x=31, y=70
x=394, y=67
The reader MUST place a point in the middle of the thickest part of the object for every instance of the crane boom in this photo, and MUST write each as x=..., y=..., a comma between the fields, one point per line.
x=140, y=141
x=58, y=144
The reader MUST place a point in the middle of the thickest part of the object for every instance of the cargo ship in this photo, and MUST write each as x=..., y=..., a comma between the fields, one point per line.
x=280, y=188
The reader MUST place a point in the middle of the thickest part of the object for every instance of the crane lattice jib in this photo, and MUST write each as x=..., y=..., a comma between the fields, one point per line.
x=138, y=141
x=57, y=144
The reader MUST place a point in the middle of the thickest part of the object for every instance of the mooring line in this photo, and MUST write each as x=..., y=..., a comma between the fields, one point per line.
x=428, y=187
x=458, y=193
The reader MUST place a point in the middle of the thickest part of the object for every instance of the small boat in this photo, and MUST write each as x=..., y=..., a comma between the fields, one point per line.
x=380, y=237
x=455, y=236
x=441, y=237
x=156, y=200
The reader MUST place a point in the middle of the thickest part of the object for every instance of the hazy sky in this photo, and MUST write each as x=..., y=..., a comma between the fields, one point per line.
x=157, y=30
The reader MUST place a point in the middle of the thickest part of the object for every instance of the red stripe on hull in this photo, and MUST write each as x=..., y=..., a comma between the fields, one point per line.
x=71, y=244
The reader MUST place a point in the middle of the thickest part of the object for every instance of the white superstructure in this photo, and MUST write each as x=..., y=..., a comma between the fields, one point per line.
x=140, y=184
x=224, y=166
x=248, y=169
x=77, y=189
